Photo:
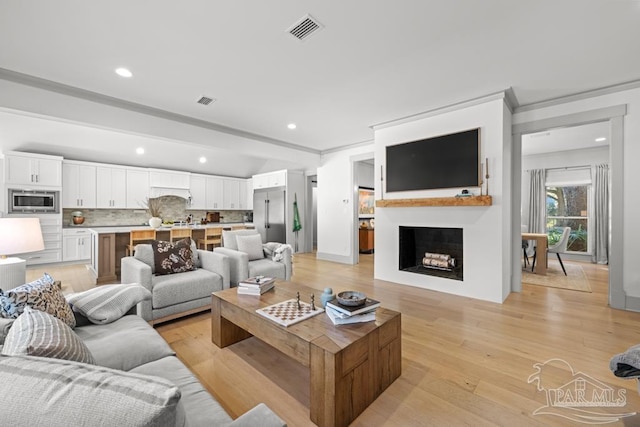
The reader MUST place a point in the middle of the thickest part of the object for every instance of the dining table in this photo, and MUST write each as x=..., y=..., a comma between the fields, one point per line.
x=541, y=240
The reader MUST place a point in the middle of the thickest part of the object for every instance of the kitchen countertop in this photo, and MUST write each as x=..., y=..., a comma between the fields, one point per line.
x=104, y=229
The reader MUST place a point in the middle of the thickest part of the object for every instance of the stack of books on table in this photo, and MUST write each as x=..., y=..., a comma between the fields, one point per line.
x=341, y=314
x=255, y=285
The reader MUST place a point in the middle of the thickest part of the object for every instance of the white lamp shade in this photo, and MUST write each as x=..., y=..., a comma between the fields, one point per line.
x=20, y=235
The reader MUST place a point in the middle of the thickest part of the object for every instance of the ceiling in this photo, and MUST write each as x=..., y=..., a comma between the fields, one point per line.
x=366, y=66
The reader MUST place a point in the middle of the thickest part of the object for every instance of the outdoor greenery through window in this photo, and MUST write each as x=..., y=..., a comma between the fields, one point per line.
x=567, y=207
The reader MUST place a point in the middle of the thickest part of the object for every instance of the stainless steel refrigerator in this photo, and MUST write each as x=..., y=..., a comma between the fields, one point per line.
x=269, y=214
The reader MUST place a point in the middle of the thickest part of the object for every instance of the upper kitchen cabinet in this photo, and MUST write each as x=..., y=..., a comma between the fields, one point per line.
x=198, y=190
x=168, y=179
x=248, y=194
x=78, y=185
x=271, y=179
x=111, y=187
x=215, y=193
x=33, y=169
x=231, y=194
x=137, y=188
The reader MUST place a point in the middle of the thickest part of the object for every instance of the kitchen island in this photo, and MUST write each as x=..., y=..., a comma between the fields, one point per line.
x=109, y=243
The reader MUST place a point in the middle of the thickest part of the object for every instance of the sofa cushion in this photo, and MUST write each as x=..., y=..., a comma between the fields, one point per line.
x=251, y=245
x=60, y=393
x=170, y=258
x=124, y=344
x=36, y=333
x=42, y=294
x=201, y=409
x=144, y=253
x=266, y=267
x=106, y=303
x=229, y=237
x=5, y=325
x=172, y=289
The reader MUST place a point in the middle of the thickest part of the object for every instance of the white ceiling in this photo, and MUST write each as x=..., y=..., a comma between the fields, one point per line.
x=372, y=62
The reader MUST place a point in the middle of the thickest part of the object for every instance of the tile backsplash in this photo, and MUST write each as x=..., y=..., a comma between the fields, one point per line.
x=173, y=209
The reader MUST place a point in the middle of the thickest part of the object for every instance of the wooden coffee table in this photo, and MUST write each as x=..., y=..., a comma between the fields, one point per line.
x=350, y=365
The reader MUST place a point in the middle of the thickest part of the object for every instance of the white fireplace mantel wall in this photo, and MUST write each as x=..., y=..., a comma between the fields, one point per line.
x=486, y=229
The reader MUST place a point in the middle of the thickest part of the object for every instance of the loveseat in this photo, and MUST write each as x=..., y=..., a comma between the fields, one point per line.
x=250, y=257
x=132, y=377
x=178, y=294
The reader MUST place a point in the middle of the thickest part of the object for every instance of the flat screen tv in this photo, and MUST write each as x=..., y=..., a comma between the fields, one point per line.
x=447, y=161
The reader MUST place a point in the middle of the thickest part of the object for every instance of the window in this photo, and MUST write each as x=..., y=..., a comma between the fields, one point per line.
x=567, y=206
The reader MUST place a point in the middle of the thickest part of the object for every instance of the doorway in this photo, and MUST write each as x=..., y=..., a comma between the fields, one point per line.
x=364, y=222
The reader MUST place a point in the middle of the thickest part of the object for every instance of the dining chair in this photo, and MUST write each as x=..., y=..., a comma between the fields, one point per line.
x=212, y=236
x=558, y=248
x=139, y=236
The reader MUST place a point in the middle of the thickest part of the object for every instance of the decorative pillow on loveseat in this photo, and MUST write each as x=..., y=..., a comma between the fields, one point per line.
x=108, y=303
x=172, y=258
x=36, y=333
x=61, y=393
x=251, y=244
x=43, y=294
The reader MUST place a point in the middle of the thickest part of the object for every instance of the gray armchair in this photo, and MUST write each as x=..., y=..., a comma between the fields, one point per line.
x=250, y=257
x=179, y=294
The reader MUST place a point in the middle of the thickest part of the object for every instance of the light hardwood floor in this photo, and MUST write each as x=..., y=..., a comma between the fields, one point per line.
x=465, y=362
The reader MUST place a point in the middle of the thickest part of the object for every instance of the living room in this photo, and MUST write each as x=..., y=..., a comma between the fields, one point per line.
x=51, y=107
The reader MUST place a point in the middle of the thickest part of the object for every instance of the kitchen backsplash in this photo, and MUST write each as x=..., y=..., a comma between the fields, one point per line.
x=173, y=209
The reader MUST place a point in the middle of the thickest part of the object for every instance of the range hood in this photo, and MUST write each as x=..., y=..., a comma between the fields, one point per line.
x=166, y=191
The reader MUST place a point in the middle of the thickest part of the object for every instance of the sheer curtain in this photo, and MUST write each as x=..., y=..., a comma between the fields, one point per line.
x=537, y=205
x=601, y=215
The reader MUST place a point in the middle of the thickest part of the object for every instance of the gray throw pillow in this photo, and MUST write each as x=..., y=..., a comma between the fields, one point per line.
x=251, y=245
x=60, y=393
x=108, y=303
x=36, y=333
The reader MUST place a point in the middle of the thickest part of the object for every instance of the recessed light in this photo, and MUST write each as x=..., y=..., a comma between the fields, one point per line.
x=203, y=159
x=123, y=72
x=602, y=138
x=140, y=150
x=291, y=126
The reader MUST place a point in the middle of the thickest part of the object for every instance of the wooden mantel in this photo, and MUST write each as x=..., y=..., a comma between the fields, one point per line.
x=435, y=201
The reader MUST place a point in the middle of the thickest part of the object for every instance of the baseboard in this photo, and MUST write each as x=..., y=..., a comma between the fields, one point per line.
x=632, y=303
x=334, y=258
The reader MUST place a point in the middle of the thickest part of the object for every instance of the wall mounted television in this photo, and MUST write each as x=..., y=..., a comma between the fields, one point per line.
x=447, y=161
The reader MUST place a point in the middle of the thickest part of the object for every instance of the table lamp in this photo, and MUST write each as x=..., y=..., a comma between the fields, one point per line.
x=17, y=236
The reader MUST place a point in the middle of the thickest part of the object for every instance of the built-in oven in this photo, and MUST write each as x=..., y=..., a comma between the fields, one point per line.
x=33, y=201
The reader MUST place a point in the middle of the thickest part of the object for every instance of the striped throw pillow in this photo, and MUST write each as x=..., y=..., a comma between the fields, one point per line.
x=62, y=393
x=37, y=333
x=108, y=303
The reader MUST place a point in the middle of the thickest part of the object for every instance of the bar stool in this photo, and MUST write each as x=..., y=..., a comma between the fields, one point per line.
x=139, y=236
x=212, y=236
x=179, y=233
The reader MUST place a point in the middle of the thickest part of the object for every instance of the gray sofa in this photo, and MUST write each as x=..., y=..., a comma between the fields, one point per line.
x=259, y=261
x=179, y=294
x=128, y=350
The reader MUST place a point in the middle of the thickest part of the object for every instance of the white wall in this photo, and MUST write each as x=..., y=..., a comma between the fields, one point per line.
x=336, y=219
x=365, y=175
x=486, y=230
x=631, y=148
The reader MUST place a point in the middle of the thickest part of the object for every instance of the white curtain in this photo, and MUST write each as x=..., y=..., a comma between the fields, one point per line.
x=537, y=203
x=601, y=215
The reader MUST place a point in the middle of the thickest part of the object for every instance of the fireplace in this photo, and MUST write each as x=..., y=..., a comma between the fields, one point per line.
x=435, y=251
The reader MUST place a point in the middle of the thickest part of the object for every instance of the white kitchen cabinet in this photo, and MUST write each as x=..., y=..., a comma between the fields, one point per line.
x=244, y=190
x=29, y=169
x=231, y=194
x=271, y=179
x=198, y=190
x=260, y=181
x=168, y=179
x=137, y=188
x=51, y=227
x=215, y=193
x=78, y=185
x=249, y=195
x=76, y=245
x=111, y=188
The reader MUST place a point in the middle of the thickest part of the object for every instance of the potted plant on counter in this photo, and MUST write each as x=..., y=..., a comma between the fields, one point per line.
x=153, y=207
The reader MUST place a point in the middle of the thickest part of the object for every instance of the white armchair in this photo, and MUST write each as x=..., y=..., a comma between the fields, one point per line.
x=250, y=257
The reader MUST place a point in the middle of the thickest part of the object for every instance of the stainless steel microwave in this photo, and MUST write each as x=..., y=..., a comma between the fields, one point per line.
x=33, y=201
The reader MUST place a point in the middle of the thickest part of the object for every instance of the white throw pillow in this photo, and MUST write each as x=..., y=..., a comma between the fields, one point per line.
x=108, y=303
x=252, y=245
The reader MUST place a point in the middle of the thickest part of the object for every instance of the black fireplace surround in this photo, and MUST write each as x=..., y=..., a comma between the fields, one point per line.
x=416, y=241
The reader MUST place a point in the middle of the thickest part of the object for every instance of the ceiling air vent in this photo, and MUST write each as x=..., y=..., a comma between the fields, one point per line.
x=306, y=26
x=205, y=100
